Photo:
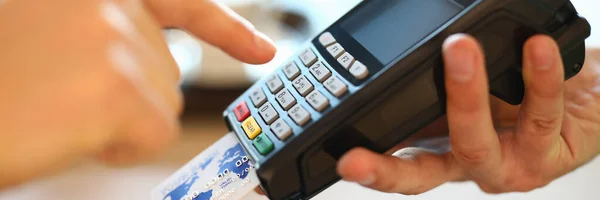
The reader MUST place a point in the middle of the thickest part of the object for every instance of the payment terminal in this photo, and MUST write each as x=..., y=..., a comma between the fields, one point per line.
x=375, y=76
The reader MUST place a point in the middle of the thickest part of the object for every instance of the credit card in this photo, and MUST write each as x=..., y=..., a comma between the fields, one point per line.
x=221, y=172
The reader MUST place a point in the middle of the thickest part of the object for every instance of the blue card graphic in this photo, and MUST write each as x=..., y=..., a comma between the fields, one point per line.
x=220, y=172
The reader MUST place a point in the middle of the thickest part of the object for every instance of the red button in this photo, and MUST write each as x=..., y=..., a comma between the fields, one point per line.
x=241, y=111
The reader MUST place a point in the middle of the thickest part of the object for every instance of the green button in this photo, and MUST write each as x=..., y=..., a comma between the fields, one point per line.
x=263, y=144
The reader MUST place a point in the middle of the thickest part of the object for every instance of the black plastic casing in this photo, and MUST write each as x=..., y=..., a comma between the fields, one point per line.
x=408, y=94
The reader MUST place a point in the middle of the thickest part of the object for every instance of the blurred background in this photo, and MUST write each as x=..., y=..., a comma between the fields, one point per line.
x=212, y=79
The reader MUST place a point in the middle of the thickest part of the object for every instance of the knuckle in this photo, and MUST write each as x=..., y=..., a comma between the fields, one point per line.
x=117, y=88
x=473, y=156
x=542, y=124
x=525, y=183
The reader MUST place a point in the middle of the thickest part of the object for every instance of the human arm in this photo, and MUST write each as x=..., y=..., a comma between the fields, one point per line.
x=95, y=79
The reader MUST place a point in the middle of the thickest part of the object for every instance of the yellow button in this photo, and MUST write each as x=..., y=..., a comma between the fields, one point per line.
x=251, y=128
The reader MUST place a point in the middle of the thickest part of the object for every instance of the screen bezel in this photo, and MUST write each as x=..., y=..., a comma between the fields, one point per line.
x=358, y=51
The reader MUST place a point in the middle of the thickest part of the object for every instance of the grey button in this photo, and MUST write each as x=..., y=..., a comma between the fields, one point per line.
x=302, y=85
x=274, y=83
x=258, y=97
x=336, y=86
x=291, y=70
x=285, y=99
x=317, y=101
x=281, y=129
x=346, y=60
x=326, y=39
x=299, y=115
x=268, y=113
x=359, y=70
x=308, y=57
x=320, y=72
x=335, y=50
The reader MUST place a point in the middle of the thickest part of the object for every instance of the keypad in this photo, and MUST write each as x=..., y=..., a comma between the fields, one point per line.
x=359, y=70
x=326, y=39
x=335, y=50
x=258, y=97
x=299, y=114
x=241, y=111
x=268, y=113
x=346, y=60
x=291, y=70
x=308, y=57
x=281, y=129
x=278, y=102
x=285, y=99
x=317, y=100
x=251, y=127
x=336, y=86
x=274, y=83
x=320, y=72
x=302, y=85
x=263, y=144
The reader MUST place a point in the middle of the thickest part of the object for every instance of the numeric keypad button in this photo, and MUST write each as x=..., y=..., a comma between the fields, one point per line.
x=302, y=85
x=320, y=72
x=258, y=97
x=291, y=70
x=274, y=83
x=308, y=57
x=335, y=86
x=285, y=99
x=268, y=113
x=317, y=100
x=299, y=114
x=281, y=129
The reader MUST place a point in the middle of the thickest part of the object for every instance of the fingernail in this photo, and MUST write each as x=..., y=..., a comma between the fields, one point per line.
x=367, y=180
x=459, y=57
x=542, y=55
x=263, y=42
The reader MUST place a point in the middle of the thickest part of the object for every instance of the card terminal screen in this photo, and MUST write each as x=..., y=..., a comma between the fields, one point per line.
x=389, y=28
